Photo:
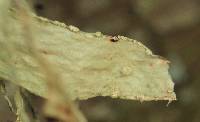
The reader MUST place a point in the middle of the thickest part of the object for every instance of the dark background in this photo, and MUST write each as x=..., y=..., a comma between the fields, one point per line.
x=171, y=28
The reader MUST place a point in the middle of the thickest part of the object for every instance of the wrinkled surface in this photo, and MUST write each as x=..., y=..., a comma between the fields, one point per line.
x=89, y=64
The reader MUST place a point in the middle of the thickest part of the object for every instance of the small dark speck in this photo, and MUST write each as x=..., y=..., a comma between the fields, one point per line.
x=114, y=39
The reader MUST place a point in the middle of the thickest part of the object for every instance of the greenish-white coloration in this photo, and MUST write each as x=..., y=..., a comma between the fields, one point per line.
x=89, y=64
x=22, y=115
x=6, y=97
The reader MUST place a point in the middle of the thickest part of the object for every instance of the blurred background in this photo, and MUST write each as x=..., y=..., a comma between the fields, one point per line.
x=170, y=28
